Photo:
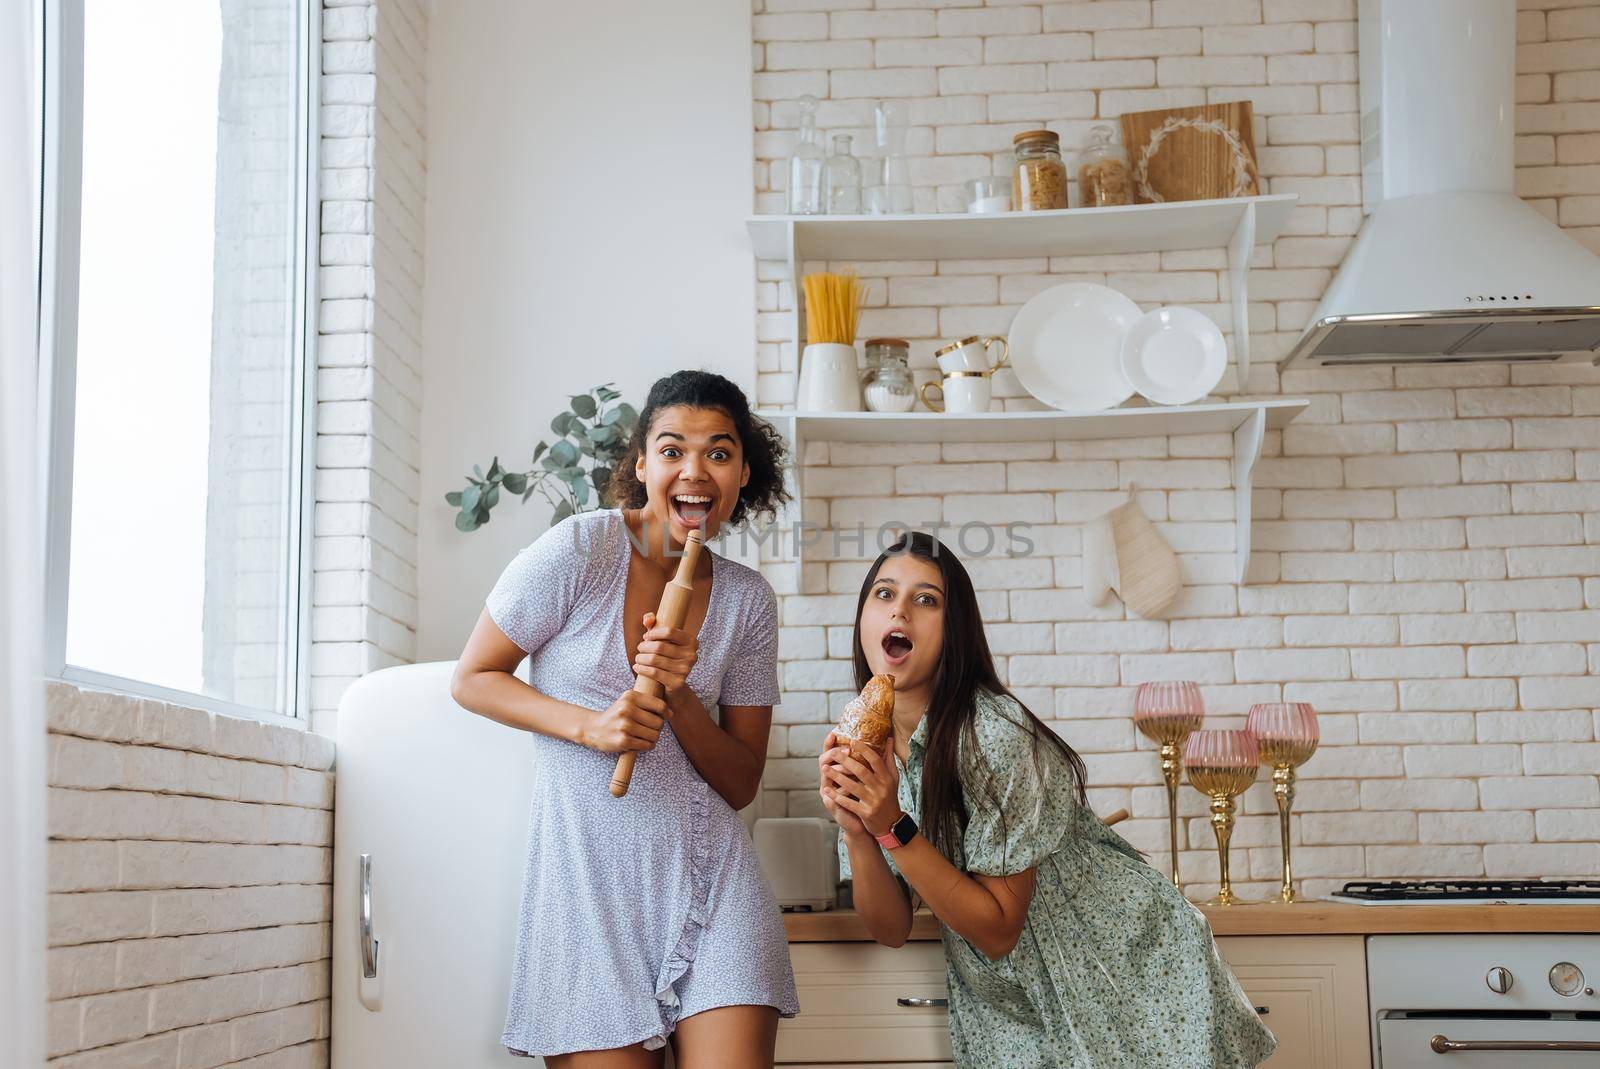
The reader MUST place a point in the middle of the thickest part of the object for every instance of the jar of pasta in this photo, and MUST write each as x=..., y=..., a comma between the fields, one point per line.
x=1103, y=175
x=1040, y=181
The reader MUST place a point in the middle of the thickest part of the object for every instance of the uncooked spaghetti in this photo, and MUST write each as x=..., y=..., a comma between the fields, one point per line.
x=833, y=303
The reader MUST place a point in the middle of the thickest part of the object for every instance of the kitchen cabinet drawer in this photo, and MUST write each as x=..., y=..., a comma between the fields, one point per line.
x=850, y=1013
x=1314, y=989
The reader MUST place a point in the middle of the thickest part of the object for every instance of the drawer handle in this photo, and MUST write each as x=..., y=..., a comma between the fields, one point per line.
x=917, y=1000
x=1442, y=1045
x=1262, y=1011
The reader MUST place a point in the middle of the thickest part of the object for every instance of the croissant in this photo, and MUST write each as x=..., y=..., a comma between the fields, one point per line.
x=868, y=718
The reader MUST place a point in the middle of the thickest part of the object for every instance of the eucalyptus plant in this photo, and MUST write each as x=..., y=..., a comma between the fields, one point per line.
x=573, y=473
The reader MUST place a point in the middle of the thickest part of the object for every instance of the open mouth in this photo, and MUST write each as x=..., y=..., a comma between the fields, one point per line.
x=897, y=646
x=691, y=510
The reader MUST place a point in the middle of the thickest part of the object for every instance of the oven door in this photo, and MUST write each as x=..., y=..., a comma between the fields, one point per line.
x=1469, y=1042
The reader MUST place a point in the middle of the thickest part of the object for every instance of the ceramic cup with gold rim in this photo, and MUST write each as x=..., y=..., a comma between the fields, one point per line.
x=971, y=354
x=1222, y=765
x=1286, y=734
x=961, y=391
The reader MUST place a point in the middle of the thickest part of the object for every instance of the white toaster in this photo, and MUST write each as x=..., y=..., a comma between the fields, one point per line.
x=801, y=860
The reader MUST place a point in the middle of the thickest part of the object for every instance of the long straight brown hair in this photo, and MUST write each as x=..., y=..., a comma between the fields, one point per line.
x=965, y=667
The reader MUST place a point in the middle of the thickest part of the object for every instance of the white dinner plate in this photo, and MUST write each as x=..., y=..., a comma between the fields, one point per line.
x=1174, y=355
x=1066, y=346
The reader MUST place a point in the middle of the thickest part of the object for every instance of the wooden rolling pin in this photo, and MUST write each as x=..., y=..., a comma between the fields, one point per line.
x=672, y=611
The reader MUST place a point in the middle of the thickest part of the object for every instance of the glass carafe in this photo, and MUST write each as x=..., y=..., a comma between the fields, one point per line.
x=806, y=164
x=889, y=192
x=842, y=179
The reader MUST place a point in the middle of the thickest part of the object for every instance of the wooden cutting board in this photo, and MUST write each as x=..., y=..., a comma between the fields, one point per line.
x=1192, y=153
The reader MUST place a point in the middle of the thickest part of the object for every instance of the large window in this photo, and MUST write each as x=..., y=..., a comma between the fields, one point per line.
x=175, y=290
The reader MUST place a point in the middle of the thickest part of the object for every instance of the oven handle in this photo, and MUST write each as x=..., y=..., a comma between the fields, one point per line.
x=1444, y=1045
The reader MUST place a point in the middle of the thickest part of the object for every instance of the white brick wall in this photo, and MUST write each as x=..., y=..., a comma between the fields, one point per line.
x=190, y=854
x=190, y=869
x=1426, y=539
x=369, y=360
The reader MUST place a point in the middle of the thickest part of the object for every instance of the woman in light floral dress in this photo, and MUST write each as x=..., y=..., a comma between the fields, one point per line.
x=645, y=919
x=1064, y=948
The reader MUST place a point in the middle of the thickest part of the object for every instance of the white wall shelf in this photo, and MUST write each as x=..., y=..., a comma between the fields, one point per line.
x=1238, y=223
x=1247, y=421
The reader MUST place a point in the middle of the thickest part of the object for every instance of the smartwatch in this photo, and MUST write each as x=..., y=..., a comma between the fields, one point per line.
x=899, y=834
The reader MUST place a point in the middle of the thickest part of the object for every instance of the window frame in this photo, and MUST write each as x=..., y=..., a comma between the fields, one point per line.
x=61, y=188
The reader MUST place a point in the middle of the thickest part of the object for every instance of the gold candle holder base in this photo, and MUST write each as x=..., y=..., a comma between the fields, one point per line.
x=1283, y=793
x=1222, y=785
x=1172, y=772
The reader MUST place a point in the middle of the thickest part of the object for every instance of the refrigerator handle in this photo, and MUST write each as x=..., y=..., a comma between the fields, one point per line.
x=369, y=945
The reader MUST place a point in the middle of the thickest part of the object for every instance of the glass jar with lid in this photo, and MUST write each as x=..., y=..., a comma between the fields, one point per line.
x=1039, y=182
x=889, y=386
x=1103, y=175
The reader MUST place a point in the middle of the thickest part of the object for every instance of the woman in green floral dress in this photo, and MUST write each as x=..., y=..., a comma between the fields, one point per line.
x=1064, y=948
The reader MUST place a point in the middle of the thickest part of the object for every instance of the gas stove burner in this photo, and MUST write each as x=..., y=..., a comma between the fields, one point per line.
x=1478, y=890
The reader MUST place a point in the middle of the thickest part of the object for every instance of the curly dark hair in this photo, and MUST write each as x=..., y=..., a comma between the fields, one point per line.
x=764, y=450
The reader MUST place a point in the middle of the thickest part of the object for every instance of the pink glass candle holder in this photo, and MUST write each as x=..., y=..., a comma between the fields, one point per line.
x=1286, y=733
x=1222, y=765
x=1165, y=713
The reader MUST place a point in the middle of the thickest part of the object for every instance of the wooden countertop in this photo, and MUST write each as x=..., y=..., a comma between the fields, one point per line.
x=1271, y=918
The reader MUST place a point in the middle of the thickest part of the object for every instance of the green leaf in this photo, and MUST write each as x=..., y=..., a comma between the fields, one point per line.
x=571, y=475
x=477, y=471
x=490, y=500
x=466, y=521
x=453, y=498
x=495, y=470
x=562, y=423
x=603, y=435
x=611, y=417
x=629, y=413
x=550, y=463
x=538, y=450
x=578, y=432
x=601, y=477
x=562, y=511
x=470, y=498
x=564, y=453
x=527, y=494
x=515, y=482
x=584, y=406
x=606, y=393
x=580, y=490
x=482, y=515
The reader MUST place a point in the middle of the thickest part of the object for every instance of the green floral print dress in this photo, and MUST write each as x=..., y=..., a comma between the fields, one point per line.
x=1114, y=968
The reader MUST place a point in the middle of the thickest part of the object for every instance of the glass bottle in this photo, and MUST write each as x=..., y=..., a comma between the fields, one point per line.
x=890, y=191
x=842, y=179
x=1103, y=175
x=806, y=164
x=1040, y=181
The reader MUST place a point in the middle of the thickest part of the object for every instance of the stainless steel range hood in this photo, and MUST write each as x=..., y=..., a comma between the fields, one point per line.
x=1450, y=266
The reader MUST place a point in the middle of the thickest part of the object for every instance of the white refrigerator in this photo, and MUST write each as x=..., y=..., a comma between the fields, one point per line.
x=436, y=800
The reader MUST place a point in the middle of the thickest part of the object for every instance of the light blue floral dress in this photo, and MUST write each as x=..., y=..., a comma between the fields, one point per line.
x=636, y=911
x=1114, y=968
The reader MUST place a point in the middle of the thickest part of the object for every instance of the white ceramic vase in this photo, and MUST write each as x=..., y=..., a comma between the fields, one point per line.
x=830, y=379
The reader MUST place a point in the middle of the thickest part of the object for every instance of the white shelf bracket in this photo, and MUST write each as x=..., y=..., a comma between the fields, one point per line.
x=1240, y=247
x=1246, y=450
x=797, y=312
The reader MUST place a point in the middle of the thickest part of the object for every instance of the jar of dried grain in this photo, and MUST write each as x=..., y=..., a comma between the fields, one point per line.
x=1103, y=175
x=1040, y=181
